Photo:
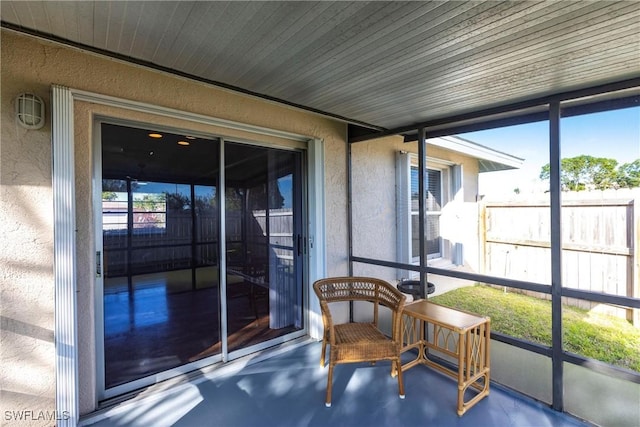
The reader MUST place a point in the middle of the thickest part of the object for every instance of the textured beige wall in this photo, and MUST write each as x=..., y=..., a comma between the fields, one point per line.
x=374, y=203
x=26, y=253
x=373, y=167
x=26, y=265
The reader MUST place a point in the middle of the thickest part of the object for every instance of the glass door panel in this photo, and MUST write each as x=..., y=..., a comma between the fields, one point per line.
x=161, y=220
x=160, y=241
x=206, y=225
x=262, y=224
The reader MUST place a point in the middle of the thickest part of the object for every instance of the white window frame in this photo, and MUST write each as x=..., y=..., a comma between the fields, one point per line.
x=450, y=182
x=443, y=177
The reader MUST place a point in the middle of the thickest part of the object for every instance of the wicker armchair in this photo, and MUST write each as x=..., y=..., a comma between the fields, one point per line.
x=360, y=342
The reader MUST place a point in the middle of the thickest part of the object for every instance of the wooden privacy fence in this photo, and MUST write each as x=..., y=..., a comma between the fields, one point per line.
x=599, y=246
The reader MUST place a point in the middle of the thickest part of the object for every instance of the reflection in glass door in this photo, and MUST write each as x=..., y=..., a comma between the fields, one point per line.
x=163, y=297
x=160, y=228
x=263, y=229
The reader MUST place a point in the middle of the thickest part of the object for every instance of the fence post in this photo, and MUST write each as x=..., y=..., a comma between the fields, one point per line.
x=633, y=285
x=482, y=233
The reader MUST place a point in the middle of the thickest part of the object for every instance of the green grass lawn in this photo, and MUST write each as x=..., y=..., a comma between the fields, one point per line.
x=597, y=336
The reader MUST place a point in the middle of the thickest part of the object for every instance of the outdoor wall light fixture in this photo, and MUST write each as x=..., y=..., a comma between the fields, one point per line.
x=30, y=111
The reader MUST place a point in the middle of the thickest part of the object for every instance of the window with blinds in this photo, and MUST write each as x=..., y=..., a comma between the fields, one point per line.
x=433, y=207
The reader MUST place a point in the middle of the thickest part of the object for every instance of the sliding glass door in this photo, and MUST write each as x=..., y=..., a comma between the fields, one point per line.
x=164, y=205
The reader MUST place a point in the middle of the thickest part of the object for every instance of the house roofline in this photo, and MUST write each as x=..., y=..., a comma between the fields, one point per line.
x=489, y=160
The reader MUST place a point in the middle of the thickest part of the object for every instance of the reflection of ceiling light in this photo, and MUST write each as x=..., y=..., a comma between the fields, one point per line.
x=190, y=137
x=183, y=143
x=155, y=135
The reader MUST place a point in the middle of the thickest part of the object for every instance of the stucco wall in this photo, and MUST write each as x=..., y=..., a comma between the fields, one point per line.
x=26, y=253
x=374, y=203
x=374, y=198
x=27, y=380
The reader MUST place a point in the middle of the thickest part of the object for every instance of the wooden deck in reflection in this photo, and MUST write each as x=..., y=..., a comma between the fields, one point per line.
x=164, y=323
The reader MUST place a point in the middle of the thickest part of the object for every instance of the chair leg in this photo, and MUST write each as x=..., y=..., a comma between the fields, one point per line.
x=329, y=386
x=400, y=382
x=324, y=351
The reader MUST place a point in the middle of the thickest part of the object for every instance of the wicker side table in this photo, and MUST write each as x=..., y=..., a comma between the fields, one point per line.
x=460, y=336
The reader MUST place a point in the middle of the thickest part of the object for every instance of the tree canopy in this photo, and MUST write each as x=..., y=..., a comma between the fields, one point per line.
x=587, y=172
x=629, y=174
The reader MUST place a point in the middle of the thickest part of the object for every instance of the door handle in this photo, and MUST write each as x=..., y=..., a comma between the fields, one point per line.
x=98, y=264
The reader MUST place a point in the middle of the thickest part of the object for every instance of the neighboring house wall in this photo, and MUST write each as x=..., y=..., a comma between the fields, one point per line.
x=374, y=203
x=26, y=224
x=469, y=164
x=374, y=199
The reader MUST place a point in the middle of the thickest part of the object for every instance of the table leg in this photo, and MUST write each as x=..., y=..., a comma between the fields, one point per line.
x=461, y=365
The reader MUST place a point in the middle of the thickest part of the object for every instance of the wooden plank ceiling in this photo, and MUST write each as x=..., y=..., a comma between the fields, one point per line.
x=385, y=64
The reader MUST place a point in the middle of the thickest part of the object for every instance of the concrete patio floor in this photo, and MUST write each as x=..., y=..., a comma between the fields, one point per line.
x=286, y=387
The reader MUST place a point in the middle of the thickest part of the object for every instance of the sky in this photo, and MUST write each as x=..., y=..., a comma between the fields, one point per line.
x=612, y=134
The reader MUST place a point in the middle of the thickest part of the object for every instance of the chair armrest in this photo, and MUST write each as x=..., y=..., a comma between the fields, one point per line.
x=327, y=321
